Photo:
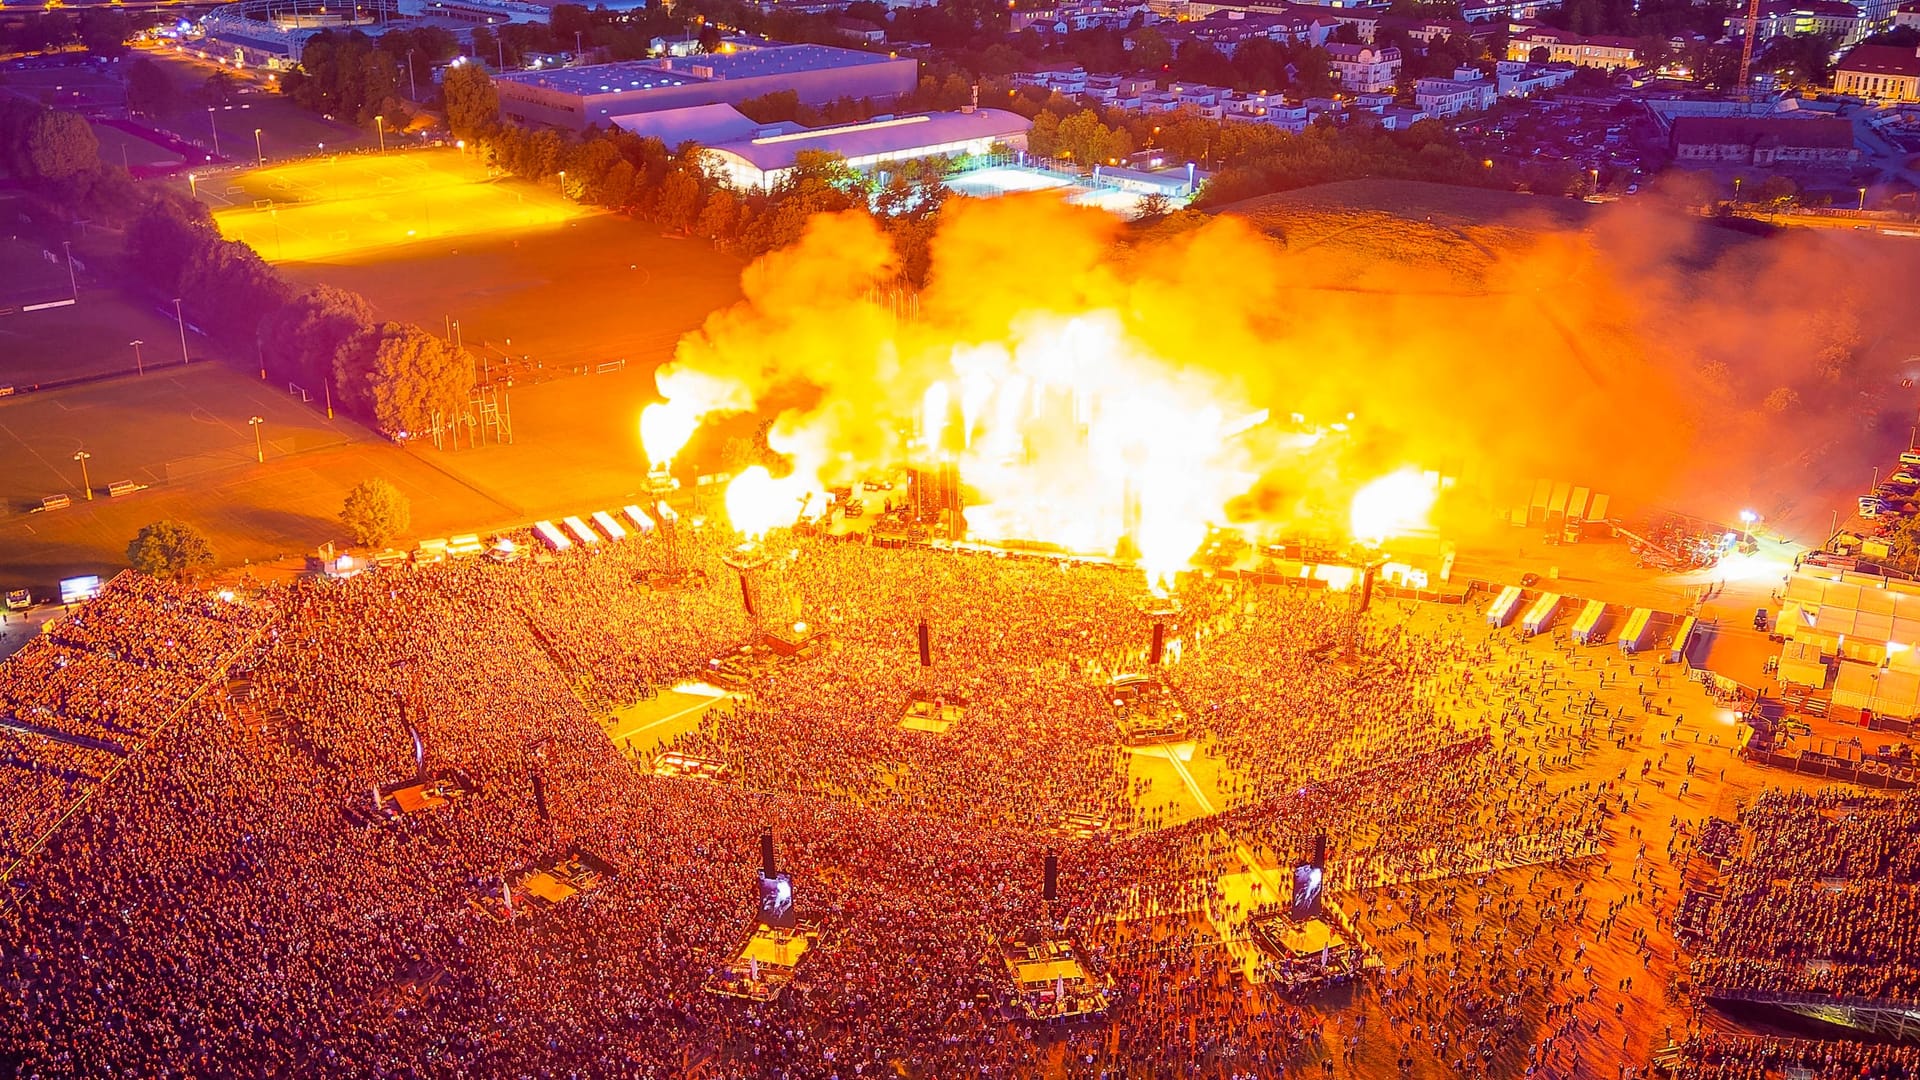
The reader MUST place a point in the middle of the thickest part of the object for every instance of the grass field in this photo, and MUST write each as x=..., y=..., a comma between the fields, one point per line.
x=581, y=305
x=26, y=276
x=646, y=725
x=184, y=432
x=90, y=338
x=129, y=151
x=287, y=130
x=351, y=207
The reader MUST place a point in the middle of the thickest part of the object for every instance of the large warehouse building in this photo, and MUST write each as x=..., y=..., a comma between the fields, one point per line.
x=580, y=97
x=764, y=160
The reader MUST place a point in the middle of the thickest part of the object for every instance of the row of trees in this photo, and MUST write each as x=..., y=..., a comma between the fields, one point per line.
x=55, y=155
x=102, y=31
x=396, y=376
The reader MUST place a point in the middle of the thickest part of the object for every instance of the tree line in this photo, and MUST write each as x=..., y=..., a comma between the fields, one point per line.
x=395, y=376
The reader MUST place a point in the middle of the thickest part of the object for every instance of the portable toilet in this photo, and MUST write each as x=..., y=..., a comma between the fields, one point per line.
x=1500, y=612
x=1586, y=629
x=1540, y=615
x=1682, y=637
x=1639, y=625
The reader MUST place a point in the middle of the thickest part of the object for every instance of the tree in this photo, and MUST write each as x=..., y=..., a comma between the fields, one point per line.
x=299, y=341
x=60, y=145
x=149, y=91
x=678, y=200
x=170, y=549
x=473, y=105
x=375, y=512
x=1151, y=51
x=1539, y=54
x=1780, y=191
x=104, y=31
x=405, y=380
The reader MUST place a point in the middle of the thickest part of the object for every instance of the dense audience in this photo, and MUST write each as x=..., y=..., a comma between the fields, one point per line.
x=223, y=903
x=1823, y=902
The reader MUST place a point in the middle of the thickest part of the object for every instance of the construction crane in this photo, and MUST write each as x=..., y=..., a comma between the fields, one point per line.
x=1746, y=50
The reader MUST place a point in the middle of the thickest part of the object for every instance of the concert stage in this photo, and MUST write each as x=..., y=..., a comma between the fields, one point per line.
x=1146, y=711
x=766, y=964
x=1049, y=980
x=765, y=652
x=932, y=713
x=1310, y=953
x=419, y=796
x=546, y=885
x=687, y=767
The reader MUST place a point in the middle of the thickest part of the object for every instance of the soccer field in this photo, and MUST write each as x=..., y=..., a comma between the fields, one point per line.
x=341, y=208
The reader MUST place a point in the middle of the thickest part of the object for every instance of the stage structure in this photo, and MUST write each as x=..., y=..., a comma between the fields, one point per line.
x=747, y=560
x=673, y=571
x=933, y=712
x=1311, y=945
x=1146, y=711
x=1160, y=611
x=1048, y=976
x=780, y=940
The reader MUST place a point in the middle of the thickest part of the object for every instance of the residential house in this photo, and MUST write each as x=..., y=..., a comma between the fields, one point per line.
x=1502, y=11
x=1365, y=68
x=1518, y=79
x=1565, y=47
x=1467, y=91
x=1843, y=22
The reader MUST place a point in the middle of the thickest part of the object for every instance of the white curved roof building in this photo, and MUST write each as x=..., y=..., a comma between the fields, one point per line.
x=763, y=161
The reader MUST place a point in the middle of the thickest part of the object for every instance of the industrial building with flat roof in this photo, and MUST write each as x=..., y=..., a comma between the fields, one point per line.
x=580, y=97
x=766, y=159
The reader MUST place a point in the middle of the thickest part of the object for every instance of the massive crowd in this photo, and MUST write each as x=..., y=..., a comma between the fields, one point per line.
x=218, y=907
x=1825, y=901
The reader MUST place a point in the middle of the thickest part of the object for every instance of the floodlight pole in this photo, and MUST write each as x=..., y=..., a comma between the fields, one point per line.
x=380, y=128
x=73, y=283
x=182, y=320
x=138, y=368
x=81, y=456
x=259, y=448
x=215, y=128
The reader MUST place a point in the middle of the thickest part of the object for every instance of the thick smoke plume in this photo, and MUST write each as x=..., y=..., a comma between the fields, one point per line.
x=1095, y=381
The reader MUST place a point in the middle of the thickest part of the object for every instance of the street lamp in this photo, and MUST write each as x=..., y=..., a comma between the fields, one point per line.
x=257, y=152
x=193, y=185
x=73, y=284
x=81, y=456
x=138, y=369
x=380, y=127
x=215, y=128
x=1594, y=187
x=259, y=448
x=1747, y=518
x=182, y=320
x=1863, y=200
x=563, y=182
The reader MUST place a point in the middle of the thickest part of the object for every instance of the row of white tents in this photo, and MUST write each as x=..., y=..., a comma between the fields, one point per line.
x=1589, y=626
x=593, y=530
